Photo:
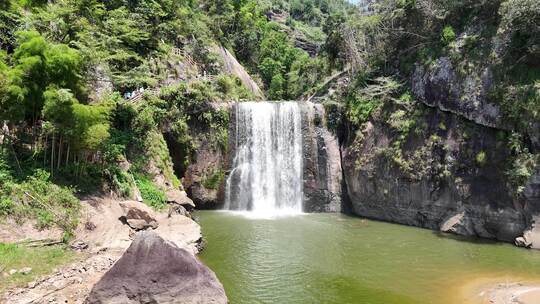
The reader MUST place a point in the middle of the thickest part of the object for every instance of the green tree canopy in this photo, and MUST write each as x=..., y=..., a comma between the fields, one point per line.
x=38, y=65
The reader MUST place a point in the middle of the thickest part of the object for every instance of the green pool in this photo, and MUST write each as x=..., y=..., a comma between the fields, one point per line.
x=333, y=258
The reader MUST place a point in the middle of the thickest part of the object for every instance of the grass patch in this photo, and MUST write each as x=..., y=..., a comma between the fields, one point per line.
x=38, y=198
x=151, y=194
x=42, y=261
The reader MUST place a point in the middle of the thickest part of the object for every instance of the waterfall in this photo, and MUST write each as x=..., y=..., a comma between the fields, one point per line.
x=266, y=176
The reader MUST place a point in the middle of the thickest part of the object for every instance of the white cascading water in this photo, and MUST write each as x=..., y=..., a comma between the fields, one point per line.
x=266, y=177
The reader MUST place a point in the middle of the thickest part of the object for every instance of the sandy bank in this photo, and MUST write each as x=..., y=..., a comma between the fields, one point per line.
x=502, y=291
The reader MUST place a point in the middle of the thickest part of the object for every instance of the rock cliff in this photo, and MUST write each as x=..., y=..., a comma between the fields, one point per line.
x=322, y=162
x=449, y=176
x=456, y=170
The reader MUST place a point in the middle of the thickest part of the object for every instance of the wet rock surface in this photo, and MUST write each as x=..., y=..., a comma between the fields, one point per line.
x=209, y=159
x=155, y=271
x=322, y=162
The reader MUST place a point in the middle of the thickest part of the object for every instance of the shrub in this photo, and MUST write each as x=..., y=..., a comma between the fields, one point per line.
x=400, y=122
x=37, y=197
x=448, y=35
x=522, y=164
x=151, y=194
x=225, y=84
x=120, y=181
x=214, y=180
x=6, y=206
x=44, y=219
x=276, y=90
x=360, y=110
x=481, y=158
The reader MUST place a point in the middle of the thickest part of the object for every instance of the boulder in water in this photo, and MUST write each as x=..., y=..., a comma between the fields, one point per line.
x=155, y=271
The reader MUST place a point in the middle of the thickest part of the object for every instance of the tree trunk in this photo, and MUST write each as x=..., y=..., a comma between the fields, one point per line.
x=67, y=155
x=59, y=156
x=15, y=156
x=45, y=150
x=52, y=154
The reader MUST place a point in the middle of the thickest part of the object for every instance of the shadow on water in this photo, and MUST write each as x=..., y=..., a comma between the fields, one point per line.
x=438, y=234
x=467, y=239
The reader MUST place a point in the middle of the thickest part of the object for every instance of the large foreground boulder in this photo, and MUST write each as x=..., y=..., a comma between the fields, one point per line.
x=155, y=271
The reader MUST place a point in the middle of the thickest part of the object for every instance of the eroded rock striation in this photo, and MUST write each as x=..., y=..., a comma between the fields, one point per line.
x=322, y=162
x=155, y=271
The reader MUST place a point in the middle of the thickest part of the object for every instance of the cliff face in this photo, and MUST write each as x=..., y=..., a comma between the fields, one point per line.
x=204, y=177
x=461, y=152
x=450, y=177
x=322, y=162
x=440, y=85
x=231, y=66
x=453, y=171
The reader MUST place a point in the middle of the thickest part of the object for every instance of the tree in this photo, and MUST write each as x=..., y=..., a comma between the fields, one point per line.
x=305, y=73
x=334, y=39
x=3, y=82
x=38, y=66
x=277, y=55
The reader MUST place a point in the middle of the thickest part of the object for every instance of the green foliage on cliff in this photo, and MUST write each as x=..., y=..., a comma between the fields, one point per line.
x=58, y=56
x=152, y=195
x=268, y=46
x=214, y=180
x=492, y=50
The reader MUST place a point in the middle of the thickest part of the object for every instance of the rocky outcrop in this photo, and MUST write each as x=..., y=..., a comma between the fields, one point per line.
x=440, y=86
x=138, y=216
x=445, y=86
x=231, y=66
x=208, y=159
x=208, y=162
x=110, y=224
x=300, y=40
x=467, y=94
x=180, y=203
x=322, y=162
x=155, y=271
x=103, y=238
x=449, y=176
x=100, y=82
